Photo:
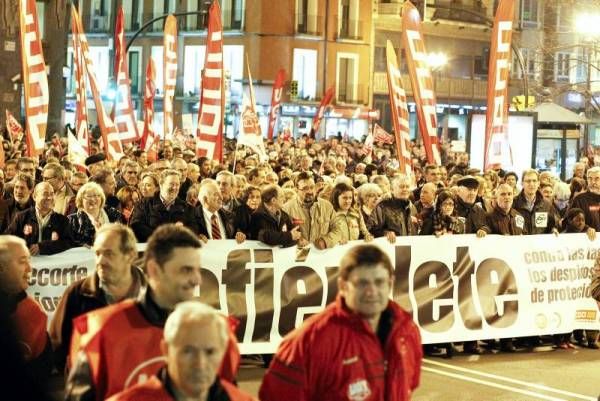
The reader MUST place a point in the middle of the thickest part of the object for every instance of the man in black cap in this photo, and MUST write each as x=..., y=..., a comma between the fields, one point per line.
x=473, y=217
x=95, y=163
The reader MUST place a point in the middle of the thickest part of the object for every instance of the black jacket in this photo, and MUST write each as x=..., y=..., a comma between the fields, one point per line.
x=150, y=213
x=82, y=228
x=499, y=222
x=56, y=236
x=473, y=215
x=241, y=219
x=541, y=219
x=265, y=228
x=226, y=218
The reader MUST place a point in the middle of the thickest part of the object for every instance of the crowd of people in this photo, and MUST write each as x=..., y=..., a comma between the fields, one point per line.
x=303, y=192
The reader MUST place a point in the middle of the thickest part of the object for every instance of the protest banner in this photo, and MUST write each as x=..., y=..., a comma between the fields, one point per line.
x=458, y=287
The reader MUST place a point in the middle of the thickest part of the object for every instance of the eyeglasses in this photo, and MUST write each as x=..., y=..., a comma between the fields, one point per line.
x=307, y=188
x=48, y=178
x=91, y=197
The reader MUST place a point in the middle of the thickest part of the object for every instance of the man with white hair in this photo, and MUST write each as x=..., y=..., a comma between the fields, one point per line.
x=214, y=221
x=28, y=319
x=194, y=343
x=589, y=201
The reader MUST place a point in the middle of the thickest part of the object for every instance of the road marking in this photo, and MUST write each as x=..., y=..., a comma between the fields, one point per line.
x=492, y=384
x=514, y=381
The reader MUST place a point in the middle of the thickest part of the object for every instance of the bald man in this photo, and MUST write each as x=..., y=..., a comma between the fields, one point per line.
x=44, y=231
x=28, y=319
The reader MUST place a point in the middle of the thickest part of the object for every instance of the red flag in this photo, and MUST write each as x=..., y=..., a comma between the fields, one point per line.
x=110, y=136
x=124, y=115
x=212, y=100
x=35, y=80
x=169, y=73
x=497, y=149
x=399, y=111
x=327, y=98
x=2, y=156
x=276, y=100
x=422, y=82
x=149, y=137
x=15, y=130
x=367, y=148
x=381, y=135
x=81, y=116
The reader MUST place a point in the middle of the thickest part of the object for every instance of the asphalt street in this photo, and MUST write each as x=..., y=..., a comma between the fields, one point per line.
x=554, y=375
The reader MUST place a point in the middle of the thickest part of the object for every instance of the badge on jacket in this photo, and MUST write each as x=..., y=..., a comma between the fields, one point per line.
x=54, y=236
x=519, y=221
x=284, y=228
x=297, y=222
x=359, y=390
x=27, y=230
x=541, y=219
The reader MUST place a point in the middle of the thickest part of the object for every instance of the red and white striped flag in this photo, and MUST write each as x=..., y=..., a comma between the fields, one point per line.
x=124, y=114
x=81, y=115
x=15, y=130
x=327, y=99
x=35, y=80
x=497, y=148
x=422, y=81
x=399, y=110
x=169, y=74
x=110, y=136
x=381, y=135
x=149, y=142
x=212, y=100
x=276, y=101
x=367, y=148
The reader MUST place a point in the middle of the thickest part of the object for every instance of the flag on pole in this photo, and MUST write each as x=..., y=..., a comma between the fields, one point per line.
x=497, y=148
x=15, y=130
x=399, y=110
x=327, y=98
x=35, y=80
x=81, y=114
x=367, y=148
x=422, y=82
x=381, y=135
x=212, y=100
x=76, y=153
x=149, y=137
x=124, y=113
x=110, y=136
x=250, y=133
x=169, y=74
x=276, y=101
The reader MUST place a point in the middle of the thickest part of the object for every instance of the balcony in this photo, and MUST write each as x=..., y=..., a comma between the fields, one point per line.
x=351, y=30
x=98, y=24
x=445, y=88
x=470, y=11
x=353, y=94
x=310, y=25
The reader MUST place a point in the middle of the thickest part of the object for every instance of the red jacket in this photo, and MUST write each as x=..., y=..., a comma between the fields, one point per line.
x=31, y=321
x=154, y=390
x=335, y=356
x=116, y=347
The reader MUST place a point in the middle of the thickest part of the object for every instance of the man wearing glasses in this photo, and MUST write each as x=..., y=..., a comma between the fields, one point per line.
x=362, y=346
x=315, y=216
x=589, y=201
x=54, y=174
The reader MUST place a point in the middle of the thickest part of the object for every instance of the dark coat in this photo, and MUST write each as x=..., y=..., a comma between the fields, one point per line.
x=226, y=218
x=499, y=222
x=14, y=208
x=542, y=219
x=82, y=228
x=58, y=226
x=472, y=215
x=150, y=213
x=241, y=219
x=394, y=215
x=265, y=228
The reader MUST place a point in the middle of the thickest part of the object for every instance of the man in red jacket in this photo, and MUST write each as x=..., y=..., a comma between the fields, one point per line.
x=118, y=346
x=363, y=347
x=195, y=338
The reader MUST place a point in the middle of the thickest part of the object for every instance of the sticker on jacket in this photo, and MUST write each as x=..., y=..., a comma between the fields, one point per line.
x=541, y=219
x=359, y=390
x=519, y=221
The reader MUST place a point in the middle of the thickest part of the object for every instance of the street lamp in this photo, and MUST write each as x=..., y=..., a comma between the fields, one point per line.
x=436, y=60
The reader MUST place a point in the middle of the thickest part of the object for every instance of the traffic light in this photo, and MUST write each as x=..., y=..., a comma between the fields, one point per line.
x=294, y=90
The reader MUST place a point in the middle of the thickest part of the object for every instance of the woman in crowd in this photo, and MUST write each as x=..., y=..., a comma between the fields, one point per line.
x=91, y=214
x=368, y=197
x=191, y=196
x=250, y=201
x=128, y=197
x=349, y=221
x=149, y=185
x=574, y=222
x=562, y=193
x=443, y=220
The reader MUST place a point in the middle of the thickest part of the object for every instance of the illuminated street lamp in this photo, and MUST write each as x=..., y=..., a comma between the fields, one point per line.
x=436, y=60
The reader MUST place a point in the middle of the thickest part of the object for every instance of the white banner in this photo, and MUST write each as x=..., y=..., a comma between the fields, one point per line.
x=458, y=287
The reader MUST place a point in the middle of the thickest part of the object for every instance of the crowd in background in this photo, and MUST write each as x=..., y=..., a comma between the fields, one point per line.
x=303, y=191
